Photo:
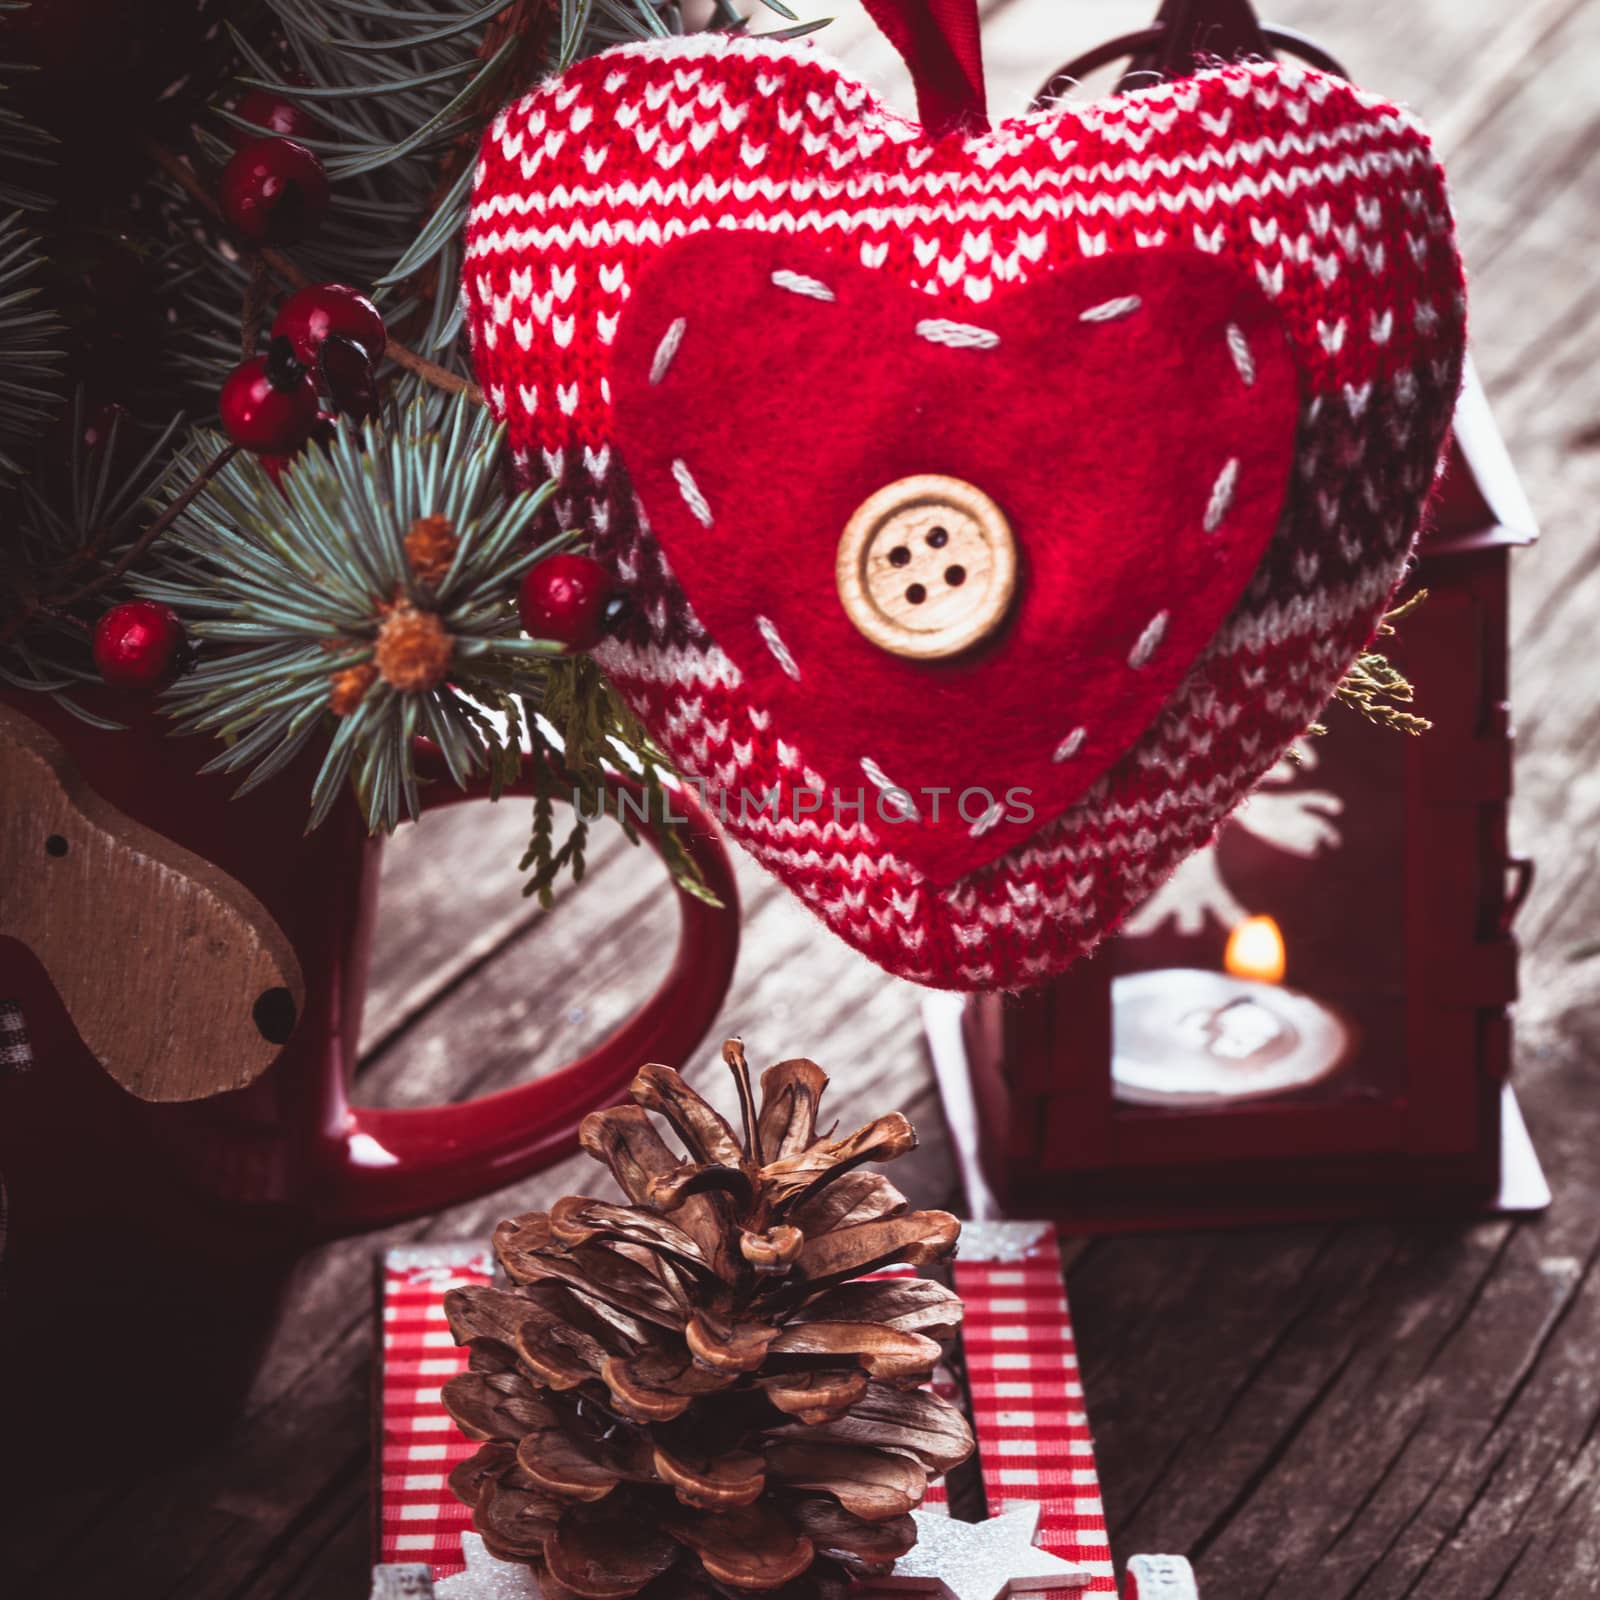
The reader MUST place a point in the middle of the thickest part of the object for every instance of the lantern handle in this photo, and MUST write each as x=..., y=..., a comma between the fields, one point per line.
x=1288, y=40
x=1520, y=870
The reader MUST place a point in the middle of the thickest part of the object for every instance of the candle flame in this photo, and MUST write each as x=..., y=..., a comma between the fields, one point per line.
x=1255, y=950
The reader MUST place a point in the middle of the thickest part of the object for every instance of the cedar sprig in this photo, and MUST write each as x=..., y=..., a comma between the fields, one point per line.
x=581, y=726
x=1377, y=689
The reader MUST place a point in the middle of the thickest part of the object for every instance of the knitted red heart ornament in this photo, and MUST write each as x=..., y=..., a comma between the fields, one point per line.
x=1196, y=345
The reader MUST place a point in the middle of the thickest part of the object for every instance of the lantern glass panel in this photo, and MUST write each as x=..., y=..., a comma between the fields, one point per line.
x=1274, y=963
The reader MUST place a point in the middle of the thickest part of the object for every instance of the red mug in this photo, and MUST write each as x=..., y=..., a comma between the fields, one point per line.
x=288, y=1160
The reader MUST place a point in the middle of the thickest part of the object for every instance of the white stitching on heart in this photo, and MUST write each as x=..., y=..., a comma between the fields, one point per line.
x=958, y=335
x=1071, y=745
x=899, y=796
x=667, y=349
x=1221, y=494
x=1110, y=310
x=1149, y=641
x=1239, y=349
x=799, y=283
x=780, y=651
x=987, y=820
x=690, y=491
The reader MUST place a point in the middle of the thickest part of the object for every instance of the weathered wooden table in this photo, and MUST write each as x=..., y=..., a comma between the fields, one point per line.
x=1311, y=1413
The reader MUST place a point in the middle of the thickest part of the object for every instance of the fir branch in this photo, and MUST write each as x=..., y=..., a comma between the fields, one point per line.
x=323, y=619
x=141, y=546
x=31, y=360
x=317, y=628
x=366, y=598
x=26, y=151
x=254, y=311
x=404, y=94
x=22, y=146
x=77, y=517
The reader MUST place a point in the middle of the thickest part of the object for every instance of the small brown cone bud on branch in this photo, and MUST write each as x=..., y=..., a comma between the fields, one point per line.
x=348, y=688
x=414, y=649
x=430, y=547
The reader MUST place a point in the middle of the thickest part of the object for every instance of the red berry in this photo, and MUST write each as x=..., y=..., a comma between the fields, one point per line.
x=311, y=316
x=273, y=191
x=138, y=645
x=564, y=598
x=348, y=379
x=269, y=406
x=264, y=109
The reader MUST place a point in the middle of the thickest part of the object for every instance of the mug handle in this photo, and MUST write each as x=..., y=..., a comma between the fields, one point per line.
x=402, y=1163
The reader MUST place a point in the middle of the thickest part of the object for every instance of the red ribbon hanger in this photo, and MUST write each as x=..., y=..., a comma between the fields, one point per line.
x=938, y=40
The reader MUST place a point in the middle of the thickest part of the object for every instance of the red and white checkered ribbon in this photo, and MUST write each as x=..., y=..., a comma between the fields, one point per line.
x=1027, y=1400
x=418, y=1517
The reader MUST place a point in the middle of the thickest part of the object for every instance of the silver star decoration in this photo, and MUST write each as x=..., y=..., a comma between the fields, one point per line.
x=487, y=1577
x=402, y=1580
x=981, y=1560
x=1007, y=1241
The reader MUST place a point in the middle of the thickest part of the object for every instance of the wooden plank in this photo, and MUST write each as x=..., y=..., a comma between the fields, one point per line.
x=450, y=899
x=542, y=989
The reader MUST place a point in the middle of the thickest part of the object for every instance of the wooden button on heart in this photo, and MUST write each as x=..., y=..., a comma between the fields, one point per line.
x=926, y=567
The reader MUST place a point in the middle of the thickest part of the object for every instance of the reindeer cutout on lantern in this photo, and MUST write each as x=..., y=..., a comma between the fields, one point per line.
x=1301, y=822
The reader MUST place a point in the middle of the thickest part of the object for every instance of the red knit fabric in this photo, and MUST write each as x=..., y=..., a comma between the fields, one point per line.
x=938, y=40
x=1328, y=202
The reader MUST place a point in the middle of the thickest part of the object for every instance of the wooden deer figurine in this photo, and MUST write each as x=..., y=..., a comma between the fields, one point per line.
x=175, y=976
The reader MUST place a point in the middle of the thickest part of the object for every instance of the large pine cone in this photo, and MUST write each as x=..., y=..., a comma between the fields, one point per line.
x=687, y=1395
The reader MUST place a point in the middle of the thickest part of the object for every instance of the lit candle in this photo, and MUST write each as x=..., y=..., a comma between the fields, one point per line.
x=1190, y=1036
x=1255, y=950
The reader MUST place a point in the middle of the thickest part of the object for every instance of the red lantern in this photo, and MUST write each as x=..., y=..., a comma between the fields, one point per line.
x=1312, y=1017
